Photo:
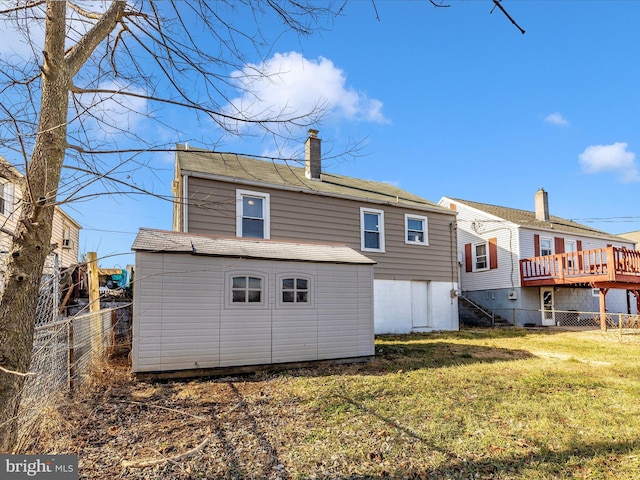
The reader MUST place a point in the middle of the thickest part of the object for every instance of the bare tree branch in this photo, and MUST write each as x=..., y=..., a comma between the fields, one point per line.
x=499, y=5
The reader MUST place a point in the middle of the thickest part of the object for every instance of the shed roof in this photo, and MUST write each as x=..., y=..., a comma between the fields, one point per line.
x=284, y=175
x=526, y=218
x=163, y=241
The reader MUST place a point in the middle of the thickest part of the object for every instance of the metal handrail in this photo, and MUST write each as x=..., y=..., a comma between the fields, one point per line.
x=488, y=314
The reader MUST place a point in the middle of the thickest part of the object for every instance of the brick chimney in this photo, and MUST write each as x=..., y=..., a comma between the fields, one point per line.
x=542, y=206
x=313, y=157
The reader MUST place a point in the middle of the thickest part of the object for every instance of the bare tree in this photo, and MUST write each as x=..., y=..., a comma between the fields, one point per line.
x=57, y=114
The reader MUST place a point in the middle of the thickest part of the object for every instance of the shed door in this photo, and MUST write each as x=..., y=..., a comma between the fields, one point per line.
x=419, y=305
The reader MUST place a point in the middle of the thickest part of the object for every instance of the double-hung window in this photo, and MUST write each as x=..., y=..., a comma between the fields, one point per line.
x=480, y=256
x=252, y=214
x=570, y=250
x=372, y=230
x=546, y=246
x=416, y=230
x=6, y=199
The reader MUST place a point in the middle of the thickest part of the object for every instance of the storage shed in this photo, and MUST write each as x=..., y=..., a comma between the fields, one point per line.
x=205, y=303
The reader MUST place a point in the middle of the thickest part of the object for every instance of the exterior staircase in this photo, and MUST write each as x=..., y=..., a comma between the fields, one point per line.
x=474, y=315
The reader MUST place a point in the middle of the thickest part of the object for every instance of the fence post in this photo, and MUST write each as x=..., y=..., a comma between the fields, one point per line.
x=94, y=306
x=620, y=326
x=71, y=360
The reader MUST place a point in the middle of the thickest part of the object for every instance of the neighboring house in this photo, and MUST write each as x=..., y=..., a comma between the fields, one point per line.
x=274, y=206
x=527, y=265
x=633, y=236
x=65, y=230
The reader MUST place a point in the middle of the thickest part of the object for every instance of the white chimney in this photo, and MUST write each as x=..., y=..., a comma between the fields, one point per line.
x=542, y=206
x=313, y=157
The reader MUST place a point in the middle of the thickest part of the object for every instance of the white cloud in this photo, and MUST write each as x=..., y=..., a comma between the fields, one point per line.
x=556, y=119
x=610, y=158
x=288, y=84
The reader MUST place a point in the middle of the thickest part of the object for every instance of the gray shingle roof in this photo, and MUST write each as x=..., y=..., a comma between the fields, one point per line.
x=163, y=241
x=288, y=176
x=633, y=236
x=528, y=219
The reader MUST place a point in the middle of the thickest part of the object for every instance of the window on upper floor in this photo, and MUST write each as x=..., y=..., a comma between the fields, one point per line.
x=6, y=199
x=570, y=249
x=416, y=228
x=372, y=230
x=66, y=237
x=480, y=256
x=252, y=214
x=546, y=246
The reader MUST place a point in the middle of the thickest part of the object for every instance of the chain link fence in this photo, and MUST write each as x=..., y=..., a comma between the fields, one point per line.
x=622, y=327
x=66, y=349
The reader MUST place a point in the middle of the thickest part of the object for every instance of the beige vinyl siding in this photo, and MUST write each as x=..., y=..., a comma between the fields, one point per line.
x=317, y=218
x=66, y=256
x=176, y=324
x=182, y=321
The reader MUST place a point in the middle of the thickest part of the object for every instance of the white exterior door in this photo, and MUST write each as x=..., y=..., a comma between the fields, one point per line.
x=419, y=305
x=547, y=307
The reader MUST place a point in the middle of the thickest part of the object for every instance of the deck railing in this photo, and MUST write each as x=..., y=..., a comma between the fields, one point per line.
x=608, y=264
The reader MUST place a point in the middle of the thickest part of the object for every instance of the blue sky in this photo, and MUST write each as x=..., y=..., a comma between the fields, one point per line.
x=446, y=102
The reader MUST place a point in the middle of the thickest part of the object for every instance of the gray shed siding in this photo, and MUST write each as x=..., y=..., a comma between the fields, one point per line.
x=318, y=218
x=181, y=319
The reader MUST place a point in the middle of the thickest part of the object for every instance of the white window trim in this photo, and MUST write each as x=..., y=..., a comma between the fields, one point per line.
x=425, y=232
x=7, y=194
x=66, y=236
x=228, y=291
x=364, y=210
x=311, y=291
x=474, y=256
x=571, y=251
x=552, y=244
x=266, y=211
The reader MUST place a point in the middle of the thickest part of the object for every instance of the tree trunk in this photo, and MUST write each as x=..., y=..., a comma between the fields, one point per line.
x=32, y=241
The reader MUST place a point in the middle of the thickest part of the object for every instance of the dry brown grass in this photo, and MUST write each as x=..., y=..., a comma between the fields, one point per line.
x=473, y=404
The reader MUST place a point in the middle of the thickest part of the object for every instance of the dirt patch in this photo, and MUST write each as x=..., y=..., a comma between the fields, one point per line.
x=231, y=427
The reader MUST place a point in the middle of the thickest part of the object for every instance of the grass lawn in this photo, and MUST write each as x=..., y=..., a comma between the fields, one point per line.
x=475, y=404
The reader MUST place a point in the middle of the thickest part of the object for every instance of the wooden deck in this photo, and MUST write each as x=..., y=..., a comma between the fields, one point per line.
x=609, y=267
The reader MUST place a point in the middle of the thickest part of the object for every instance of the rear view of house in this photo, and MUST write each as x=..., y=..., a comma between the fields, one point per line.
x=412, y=240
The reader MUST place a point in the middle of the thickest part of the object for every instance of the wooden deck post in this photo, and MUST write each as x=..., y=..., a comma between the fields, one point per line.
x=603, y=308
